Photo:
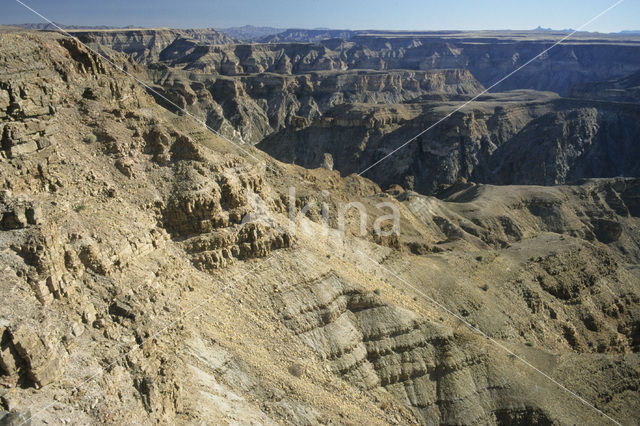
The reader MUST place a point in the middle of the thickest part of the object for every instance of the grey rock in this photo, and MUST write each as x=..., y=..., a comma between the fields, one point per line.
x=15, y=418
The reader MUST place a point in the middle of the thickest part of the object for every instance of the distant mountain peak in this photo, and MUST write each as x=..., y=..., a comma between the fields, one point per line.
x=550, y=30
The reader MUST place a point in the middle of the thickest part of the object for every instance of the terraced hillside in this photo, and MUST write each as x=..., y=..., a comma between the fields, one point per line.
x=152, y=271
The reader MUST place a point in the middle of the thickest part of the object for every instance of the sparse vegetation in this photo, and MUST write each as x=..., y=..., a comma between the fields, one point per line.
x=80, y=207
x=484, y=287
x=90, y=138
x=377, y=291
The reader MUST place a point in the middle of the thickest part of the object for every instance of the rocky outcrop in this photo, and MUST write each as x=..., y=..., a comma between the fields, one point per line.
x=25, y=351
x=30, y=98
x=210, y=216
x=444, y=377
x=26, y=106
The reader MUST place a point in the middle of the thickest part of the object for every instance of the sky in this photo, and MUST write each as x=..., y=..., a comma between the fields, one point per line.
x=339, y=14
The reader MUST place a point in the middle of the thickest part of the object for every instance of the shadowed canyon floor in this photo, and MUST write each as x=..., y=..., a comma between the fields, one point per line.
x=135, y=289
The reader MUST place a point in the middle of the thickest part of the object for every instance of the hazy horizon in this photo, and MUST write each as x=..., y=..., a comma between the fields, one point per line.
x=132, y=26
x=411, y=15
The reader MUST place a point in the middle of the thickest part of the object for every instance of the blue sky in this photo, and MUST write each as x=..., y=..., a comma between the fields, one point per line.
x=352, y=14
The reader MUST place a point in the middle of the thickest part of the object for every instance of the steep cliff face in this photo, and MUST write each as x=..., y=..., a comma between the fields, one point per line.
x=150, y=273
x=499, y=139
x=488, y=56
x=146, y=45
x=250, y=91
x=487, y=59
x=254, y=106
x=575, y=141
x=625, y=89
x=306, y=36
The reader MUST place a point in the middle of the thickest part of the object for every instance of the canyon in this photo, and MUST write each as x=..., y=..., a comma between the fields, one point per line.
x=352, y=100
x=151, y=269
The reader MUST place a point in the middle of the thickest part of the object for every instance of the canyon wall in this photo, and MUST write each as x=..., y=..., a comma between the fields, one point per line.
x=502, y=139
x=488, y=56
